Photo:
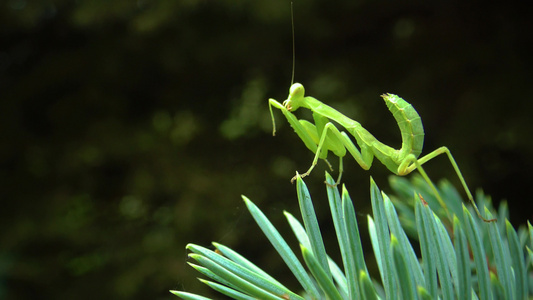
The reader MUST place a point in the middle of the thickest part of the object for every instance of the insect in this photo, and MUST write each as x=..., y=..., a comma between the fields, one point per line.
x=323, y=136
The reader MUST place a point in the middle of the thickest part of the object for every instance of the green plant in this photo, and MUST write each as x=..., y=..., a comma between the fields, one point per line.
x=461, y=258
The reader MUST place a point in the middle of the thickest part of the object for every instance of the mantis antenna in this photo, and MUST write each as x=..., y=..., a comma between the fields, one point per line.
x=293, y=44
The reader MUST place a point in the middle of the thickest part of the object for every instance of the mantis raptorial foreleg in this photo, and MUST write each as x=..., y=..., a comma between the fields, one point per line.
x=323, y=136
x=305, y=130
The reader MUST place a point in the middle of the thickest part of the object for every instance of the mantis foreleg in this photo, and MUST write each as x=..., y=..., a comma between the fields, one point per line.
x=305, y=130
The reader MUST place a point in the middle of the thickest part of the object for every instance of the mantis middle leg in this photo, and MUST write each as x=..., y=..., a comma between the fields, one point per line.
x=332, y=138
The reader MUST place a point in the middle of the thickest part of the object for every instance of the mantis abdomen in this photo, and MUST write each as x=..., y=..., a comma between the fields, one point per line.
x=409, y=122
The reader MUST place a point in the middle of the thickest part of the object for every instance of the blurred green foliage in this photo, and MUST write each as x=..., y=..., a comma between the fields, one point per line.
x=130, y=128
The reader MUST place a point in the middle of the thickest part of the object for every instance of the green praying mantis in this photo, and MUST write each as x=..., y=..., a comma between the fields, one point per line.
x=323, y=136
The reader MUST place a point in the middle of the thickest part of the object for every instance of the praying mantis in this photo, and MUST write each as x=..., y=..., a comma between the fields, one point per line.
x=323, y=136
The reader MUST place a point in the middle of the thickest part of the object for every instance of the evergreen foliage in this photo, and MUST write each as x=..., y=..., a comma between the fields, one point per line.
x=461, y=258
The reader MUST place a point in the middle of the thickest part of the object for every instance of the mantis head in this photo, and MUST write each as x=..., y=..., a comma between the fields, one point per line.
x=296, y=97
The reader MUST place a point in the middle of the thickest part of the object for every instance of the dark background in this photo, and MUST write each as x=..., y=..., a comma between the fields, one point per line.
x=131, y=128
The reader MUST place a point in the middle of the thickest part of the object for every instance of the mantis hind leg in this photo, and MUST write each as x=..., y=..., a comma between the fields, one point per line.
x=406, y=167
